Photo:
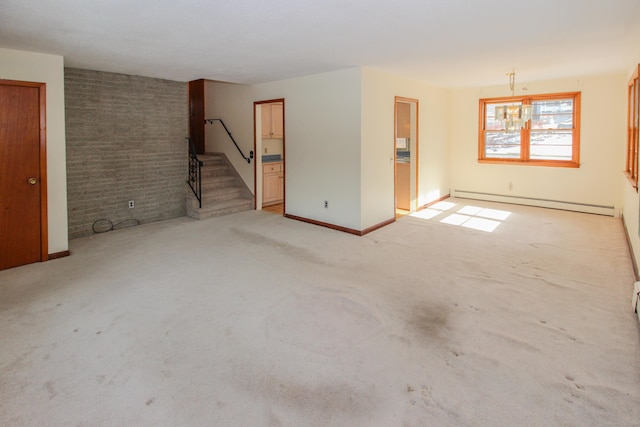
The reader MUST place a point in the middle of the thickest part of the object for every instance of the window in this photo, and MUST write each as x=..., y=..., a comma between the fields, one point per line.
x=550, y=138
x=633, y=105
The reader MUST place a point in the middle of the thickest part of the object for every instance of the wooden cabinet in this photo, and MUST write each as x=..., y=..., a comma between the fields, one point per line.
x=403, y=184
x=403, y=126
x=272, y=183
x=272, y=120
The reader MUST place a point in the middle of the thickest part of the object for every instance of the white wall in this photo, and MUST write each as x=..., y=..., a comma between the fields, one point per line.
x=631, y=201
x=233, y=104
x=379, y=90
x=339, y=141
x=322, y=144
x=322, y=140
x=49, y=69
x=597, y=181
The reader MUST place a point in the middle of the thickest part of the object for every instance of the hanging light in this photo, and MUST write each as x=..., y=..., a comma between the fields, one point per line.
x=513, y=116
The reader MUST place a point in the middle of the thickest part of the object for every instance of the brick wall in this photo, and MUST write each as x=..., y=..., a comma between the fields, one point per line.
x=125, y=141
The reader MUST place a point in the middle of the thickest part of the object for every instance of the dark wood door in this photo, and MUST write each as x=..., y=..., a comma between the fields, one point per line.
x=196, y=114
x=22, y=238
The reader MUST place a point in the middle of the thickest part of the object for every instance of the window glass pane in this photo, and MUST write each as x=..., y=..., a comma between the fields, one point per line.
x=551, y=145
x=491, y=121
x=490, y=118
x=502, y=145
x=552, y=114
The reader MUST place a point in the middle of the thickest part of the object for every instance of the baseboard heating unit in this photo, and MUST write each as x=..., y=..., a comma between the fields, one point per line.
x=533, y=201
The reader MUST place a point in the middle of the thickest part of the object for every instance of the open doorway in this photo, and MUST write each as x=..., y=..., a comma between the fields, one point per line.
x=406, y=155
x=269, y=181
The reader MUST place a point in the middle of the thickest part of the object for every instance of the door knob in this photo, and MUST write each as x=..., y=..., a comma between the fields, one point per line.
x=32, y=181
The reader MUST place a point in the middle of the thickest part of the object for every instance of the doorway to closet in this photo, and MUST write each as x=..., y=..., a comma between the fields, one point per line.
x=406, y=155
x=269, y=181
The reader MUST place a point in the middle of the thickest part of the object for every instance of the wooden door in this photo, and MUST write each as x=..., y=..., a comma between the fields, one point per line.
x=196, y=115
x=23, y=218
x=406, y=154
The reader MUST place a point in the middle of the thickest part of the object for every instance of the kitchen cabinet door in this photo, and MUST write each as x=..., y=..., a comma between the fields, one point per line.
x=272, y=121
x=272, y=189
x=277, y=121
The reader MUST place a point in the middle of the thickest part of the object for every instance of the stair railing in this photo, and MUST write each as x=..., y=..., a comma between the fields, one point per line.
x=195, y=172
x=248, y=159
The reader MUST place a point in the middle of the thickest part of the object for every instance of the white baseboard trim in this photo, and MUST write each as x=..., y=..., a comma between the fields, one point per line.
x=543, y=203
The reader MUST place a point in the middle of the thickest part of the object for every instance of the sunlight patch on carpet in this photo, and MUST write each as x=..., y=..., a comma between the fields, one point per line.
x=468, y=216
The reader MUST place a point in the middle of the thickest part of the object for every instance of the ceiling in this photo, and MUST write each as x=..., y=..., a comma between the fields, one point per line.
x=448, y=43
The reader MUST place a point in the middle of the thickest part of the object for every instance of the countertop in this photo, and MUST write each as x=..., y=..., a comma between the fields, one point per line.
x=271, y=158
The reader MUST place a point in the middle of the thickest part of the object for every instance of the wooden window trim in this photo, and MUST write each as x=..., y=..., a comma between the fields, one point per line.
x=633, y=117
x=525, y=133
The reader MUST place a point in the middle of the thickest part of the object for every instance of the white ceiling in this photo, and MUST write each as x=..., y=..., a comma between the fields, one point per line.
x=448, y=43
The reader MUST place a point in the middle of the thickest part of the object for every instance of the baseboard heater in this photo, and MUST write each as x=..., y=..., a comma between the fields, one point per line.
x=533, y=201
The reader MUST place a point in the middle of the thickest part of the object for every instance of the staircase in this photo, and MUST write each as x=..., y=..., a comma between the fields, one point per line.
x=223, y=191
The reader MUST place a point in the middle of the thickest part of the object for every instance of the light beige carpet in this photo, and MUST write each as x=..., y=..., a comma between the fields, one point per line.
x=256, y=320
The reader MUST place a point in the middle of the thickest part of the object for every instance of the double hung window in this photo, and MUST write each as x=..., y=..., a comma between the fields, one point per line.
x=550, y=138
x=633, y=117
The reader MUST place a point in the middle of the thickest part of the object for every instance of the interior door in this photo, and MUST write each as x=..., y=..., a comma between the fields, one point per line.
x=406, y=155
x=23, y=238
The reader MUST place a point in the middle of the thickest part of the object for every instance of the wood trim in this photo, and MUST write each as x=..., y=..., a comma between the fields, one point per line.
x=482, y=111
x=438, y=200
x=59, y=255
x=633, y=105
x=44, y=216
x=255, y=162
x=417, y=152
x=378, y=226
x=284, y=159
x=631, y=253
x=533, y=96
x=339, y=227
x=395, y=152
x=551, y=163
x=323, y=224
x=577, y=114
x=44, y=219
x=269, y=101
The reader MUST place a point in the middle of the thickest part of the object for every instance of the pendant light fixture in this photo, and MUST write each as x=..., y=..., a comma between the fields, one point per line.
x=513, y=116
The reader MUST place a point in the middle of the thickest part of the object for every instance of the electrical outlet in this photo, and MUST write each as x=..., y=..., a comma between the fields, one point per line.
x=326, y=204
x=265, y=150
x=131, y=204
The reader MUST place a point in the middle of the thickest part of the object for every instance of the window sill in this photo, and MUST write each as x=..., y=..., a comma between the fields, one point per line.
x=545, y=163
x=631, y=180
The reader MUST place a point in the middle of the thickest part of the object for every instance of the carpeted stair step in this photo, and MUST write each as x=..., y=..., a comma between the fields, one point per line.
x=216, y=195
x=216, y=170
x=211, y=159
x=223, y=192
x=218, y=182
x=226, y=207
